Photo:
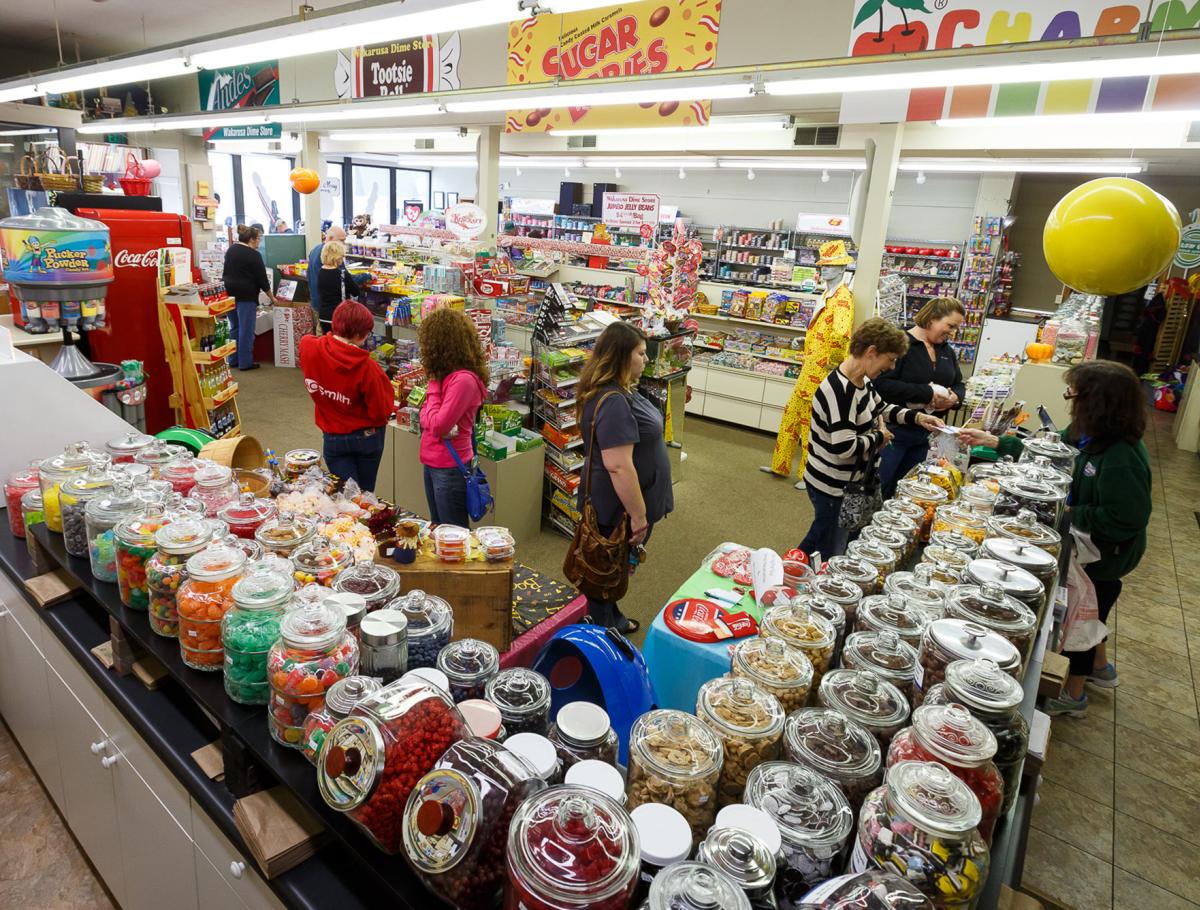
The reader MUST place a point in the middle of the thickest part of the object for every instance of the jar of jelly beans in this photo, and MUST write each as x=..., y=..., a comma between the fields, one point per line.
x=695, y=885
x=313, y=652
x=214, y=487
x=523, y=697
x=124, y=449
x=885, y=655
x=135, y=546
x=675, y=759
x=339, y=702
x=469, y=664
x=320, y=561
x=166, y=570
x=571, y=848
x=180, y=472
x=285, y=534
x=776, y=667
x=430, y=625
x=33, y=513
x=378, y=584
x=748, y=721
x=246, y=515
x=18, y=484
x=837, y=748
x=866, y=699
x=250, y=627
x=73, y=497
x=202, y=601
x=74, y=459
x=373, y=759
x=581, y=732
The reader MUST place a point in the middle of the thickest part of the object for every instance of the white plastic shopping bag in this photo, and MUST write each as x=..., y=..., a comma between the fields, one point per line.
x=1082, y=628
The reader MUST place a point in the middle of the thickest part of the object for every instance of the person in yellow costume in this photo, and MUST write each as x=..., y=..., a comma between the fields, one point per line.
x=826, y=344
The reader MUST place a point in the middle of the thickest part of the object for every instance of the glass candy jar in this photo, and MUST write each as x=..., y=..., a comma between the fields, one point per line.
x=940, y=558
x=1014, y=581
x=814, y=818
x=949, y=735
x=582, y=732
x=885, y=655
x=383, y=644
x=925, y=494
x=214, y=486
x=1024, y=526
x=747, y=861
x=837, y=748
x=922, y=824
x=1042, y=470
x=902, y=522
x=1039, y=563
x=166, y=570
x=373, y=758
x=180, y=472
x=892, y=613
x=340, y=700
x=155, y=455
x=430, y=625
x=748, y=721
x=33, y=514
x=833, y=612
x=73, y=496
x=675, y=759
x=18, y=484
x=991, y=608
x=74, y=459
x=202, y=601
x=695, y=886
x=881, y=557
x=135, y=546
x=776, y=667
x=377, y=584
x=101, y=516
x=457, y=818
x=285, y=534
x=468, y=664
x=951, y=639
x=842, y=591
x=800, y=627
x=246, y=515
x=994, y=698
x=956, y=516
x=249, y=629
x=859, y=572
x=889, y=538
x=124, y=449
x=297, y=461
x=321, y=561
x=523, y=697
x=313, y=652
x=919, y=591
x=980, y=497
x=571, y=848
x=1053, y=449
x=1043, y=500
x=866, y=699
x=873, y=889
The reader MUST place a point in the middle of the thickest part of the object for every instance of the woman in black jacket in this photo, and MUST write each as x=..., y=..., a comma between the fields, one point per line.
x=926, y=378
x=245, y=275
x=334, y=283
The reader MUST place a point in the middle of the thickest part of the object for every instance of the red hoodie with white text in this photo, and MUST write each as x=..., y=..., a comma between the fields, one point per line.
x=349, y=389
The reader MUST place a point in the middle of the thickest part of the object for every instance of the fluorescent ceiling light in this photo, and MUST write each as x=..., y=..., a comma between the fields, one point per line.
x=41, y=132
x=159, y=124
x=436, y=161
x=661, y=163
x=724, y=124
x=352, y=112
x=599, y=97
x=387, y=135
x=80, y=78
x=368, y=111
x=19, y=92
x=1021, y=166
x=795, y=164
x=544, y=161
x=1048, y=120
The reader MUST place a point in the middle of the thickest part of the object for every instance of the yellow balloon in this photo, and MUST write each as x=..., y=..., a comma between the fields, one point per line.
x=1110, y=236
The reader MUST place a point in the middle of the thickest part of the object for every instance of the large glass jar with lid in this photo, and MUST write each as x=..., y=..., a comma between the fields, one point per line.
x=885, y=655
x=430, y=625
x=926, y=495
x=857, y=571
x=180, y=472
x=214, y=487
x=135, y=546
x=1025, y=526
x=202, y=601
x=581, y=732
x=943, y=560
x=889, y=537
x=157, y=454
x=249, y=629
x=101, y=516
x=988, y=472
x=842, y=591
x=18, y=484
x=948, y=734
x=1012, y=580
x=313, y=652
x=775, y=666
x=166, y=570
x=954, y=539
x=837, y=748
x=978, y=496
x=377, y=584
x=950, y=639
x=246, y=514
x=373, y=758
x=1043, y=500
x=73, y=496
x=991, y=608
x=882, y=558
x=675, y=759
x=923, y=823
x=833, y=612
x=866, y=699
x=321, y=561
x=797, y=624
x=1039, y=563
x=919, y=590
x=468, y=664
x=124, y=449
x=571, y=848
x=747, y=861
x=956, y=516
x=297, y=461
x=814, y=818
x=749, y=722
x=688, y=885
x=523, y=697
x=285, y=533
x=1051, y=447
x=892, y=613
x=1042, y=470
x=74, y=459
x=457, y=817
x=899, y=520
x=340, y=700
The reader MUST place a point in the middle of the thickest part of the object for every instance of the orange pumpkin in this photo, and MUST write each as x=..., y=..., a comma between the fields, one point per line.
x=1039, y=352
x=304, y=180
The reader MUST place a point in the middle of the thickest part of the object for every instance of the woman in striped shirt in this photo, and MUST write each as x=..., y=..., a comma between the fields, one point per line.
x=848, y=429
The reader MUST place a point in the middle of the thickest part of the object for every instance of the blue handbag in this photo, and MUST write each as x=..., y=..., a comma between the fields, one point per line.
x=479, y=493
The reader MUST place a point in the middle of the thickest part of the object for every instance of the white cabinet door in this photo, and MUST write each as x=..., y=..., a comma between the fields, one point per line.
x=87, y=776
x=25, y=700
x=211, y=889
x=239, y=873
x=159, y=857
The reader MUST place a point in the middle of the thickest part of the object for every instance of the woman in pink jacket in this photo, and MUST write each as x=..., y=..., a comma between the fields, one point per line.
x=453, y=358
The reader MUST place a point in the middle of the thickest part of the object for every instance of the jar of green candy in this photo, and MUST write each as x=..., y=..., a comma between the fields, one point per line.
x=166, y=571
x=250, y=628
x=135, y=546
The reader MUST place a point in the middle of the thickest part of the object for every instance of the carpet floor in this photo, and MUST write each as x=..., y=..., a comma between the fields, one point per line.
x=720, y=494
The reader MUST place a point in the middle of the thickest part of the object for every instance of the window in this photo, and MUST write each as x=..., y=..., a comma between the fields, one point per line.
x=223, y=188
x=372, y=193
x=331, y=193
x=411, y=185
x=267, y=194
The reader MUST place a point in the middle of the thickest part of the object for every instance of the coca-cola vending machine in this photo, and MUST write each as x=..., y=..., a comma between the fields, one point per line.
x=132, y=304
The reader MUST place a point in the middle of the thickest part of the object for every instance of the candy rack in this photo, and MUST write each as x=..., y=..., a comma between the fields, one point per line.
x=984, y=250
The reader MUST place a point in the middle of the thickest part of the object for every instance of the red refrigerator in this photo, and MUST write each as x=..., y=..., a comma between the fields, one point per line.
x=132, y=301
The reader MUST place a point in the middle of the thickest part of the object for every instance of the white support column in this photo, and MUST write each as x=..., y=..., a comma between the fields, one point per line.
x=487, y=185
x=310, y=157
x=876, y=214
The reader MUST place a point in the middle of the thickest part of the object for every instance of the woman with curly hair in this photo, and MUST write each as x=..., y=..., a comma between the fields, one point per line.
x=452, y=356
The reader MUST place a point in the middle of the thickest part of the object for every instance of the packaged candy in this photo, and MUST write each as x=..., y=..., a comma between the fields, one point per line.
x=468, y=664
x=837, y=748
x=135, y=546
x=18, y=484
x=251, y=627
x=166, y=570
x=748, y=721
x=451, y=543
x=675, y=759
x=339, y=702
x=202, y=601
x=297, y=461
x=523, y=697
x=74, y=459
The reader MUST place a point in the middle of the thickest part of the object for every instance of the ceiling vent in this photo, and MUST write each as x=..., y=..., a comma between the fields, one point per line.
x=581, y=142
x=818, y=136
x=423, y=145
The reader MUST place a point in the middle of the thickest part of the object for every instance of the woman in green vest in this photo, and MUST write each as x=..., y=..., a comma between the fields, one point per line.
x=1110, y=498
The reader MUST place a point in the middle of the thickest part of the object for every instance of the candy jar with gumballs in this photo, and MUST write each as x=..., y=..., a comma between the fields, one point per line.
x=73, y=498
x=251, y=627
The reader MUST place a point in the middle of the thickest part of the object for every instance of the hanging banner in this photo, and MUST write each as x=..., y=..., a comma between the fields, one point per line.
x=626, y=39
x=408, y=67
x=233, y=87
x=1188, y=254
x=630, y=210
x=892, y=27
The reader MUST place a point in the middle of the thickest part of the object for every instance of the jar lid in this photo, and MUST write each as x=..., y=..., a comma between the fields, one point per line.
x=989, y=606
x=798, y=625
x=1017, y=552
x=918, y=589
x=891, y=612
x=741, y=856
x=960, y=513
x=246, y=508
x=344, y=694
x=1051, y=446
x=427, y=614
x=905, y=507
x=1041, y=469
x=152, y=490
x=184, y=536
x=217, y=561
x=863, y=696
x=540, y=754
x=832, y=744
x=583, y=722
x=252, y=548
x=211, y=474
x=181, y=466
x=157, y=453
x=695, y=886
x=24, y=478
x=675, y=744
x=382, y=631
x=574, y=841
x=519, y=692
x=882, y=653
x=114, y=503
x=838, y=589
x=665, y=834
x=774, y=662
x=735, y=705
x=31, y=500
x=440, y=821
x=91, y=483
x=829, y=610
x=370, y=579
x=954, y=540
x=1010, y=579
x=856, y=570
x=598, y=775
x=1025, y=526
x=1026, y=488
x=76, y=456
x=882, y=534
x=353, y=605
x=313, y=627
x=809, y=809
x=286, y=530
x=978, y=494
x=874, y=552
x=128, y=444
x=932, y=798
x=970, y=641
x=936, y=554
x=952, y=734
x=982, y=686
x=468, y=661
x=921, y=491
x=482, y=717
x=756, y=821
x=902, y=518
x=322, y=553
x=132, y=471
x=304, y=458
x=140, y=529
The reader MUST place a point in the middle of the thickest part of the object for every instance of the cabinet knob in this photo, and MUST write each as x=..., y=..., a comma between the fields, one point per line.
x=236, y=869
x=108, y=761
x=98, y=748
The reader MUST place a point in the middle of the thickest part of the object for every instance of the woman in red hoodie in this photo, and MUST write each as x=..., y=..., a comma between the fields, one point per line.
x=354, y=399
x=452, y=356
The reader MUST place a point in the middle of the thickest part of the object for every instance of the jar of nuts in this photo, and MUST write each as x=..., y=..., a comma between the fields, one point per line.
x=801, y=628
x=775, y=666
x=857, y=571
x=841, y=591
x=749, y=722
x=877, y=554
x=828, y=609
x=885, y=655
x=837, y=748
x=919, y=590
x=952, y=639
x=866, y=698
x=814, y=819
x=676, y=760
x=892, y=613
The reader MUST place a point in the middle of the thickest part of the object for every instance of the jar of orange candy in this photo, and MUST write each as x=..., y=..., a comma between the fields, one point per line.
x=202, y=602
x=313, y=652
x=135, y=546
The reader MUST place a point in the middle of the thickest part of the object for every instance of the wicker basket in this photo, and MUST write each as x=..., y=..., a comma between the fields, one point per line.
x=92, y=183
x=26, y=176
x=235, y=452
x=57, y=174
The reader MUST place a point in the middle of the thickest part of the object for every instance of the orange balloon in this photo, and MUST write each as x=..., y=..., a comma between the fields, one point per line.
x=304, y=180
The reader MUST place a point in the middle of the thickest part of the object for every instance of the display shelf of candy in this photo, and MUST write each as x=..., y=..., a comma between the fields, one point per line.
x=766, y=308
x=982, y=253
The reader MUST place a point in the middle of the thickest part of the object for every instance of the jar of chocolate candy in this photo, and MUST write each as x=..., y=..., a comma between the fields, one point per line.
x=523, y=697
x=74, y=495
x=582, y=731
x=885, y=655
x=990, y=607
x=842, y=591
x=837, y=748
x=675, y=759
x=893, y=613
x=865, y=575
x=776, y=667
x=1024, y=526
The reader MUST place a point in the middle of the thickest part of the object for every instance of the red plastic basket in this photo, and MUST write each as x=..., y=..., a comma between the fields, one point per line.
x=136, y=186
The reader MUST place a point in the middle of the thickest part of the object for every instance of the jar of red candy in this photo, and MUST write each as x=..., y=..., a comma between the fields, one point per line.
x=214, y=487
x=950, y=639
x=339, y=702
x=101, y=516
x=457, y=818
x=251, y=626
x=990, y=607
x=688, y=885
x=885, y=655
x=166, y=569
x=523, y=697
x=837, y=748
x=376, y=583
x=859, y=572
x=892, y=613
x=949, y=735
x=868, y=699
x=155, y=455
x=180, y=472
x=995, y=699
x=571, y=848
x=321, y=561
x=74, y=459
x=135, y=546
x=246, y=515
x=18, y=484
x=469, y=664
x=313, y=652
x=841, y=591
x=583, y=731
x=285, y=534
x=124, y=449
x=202, y=601
x=371, y=761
